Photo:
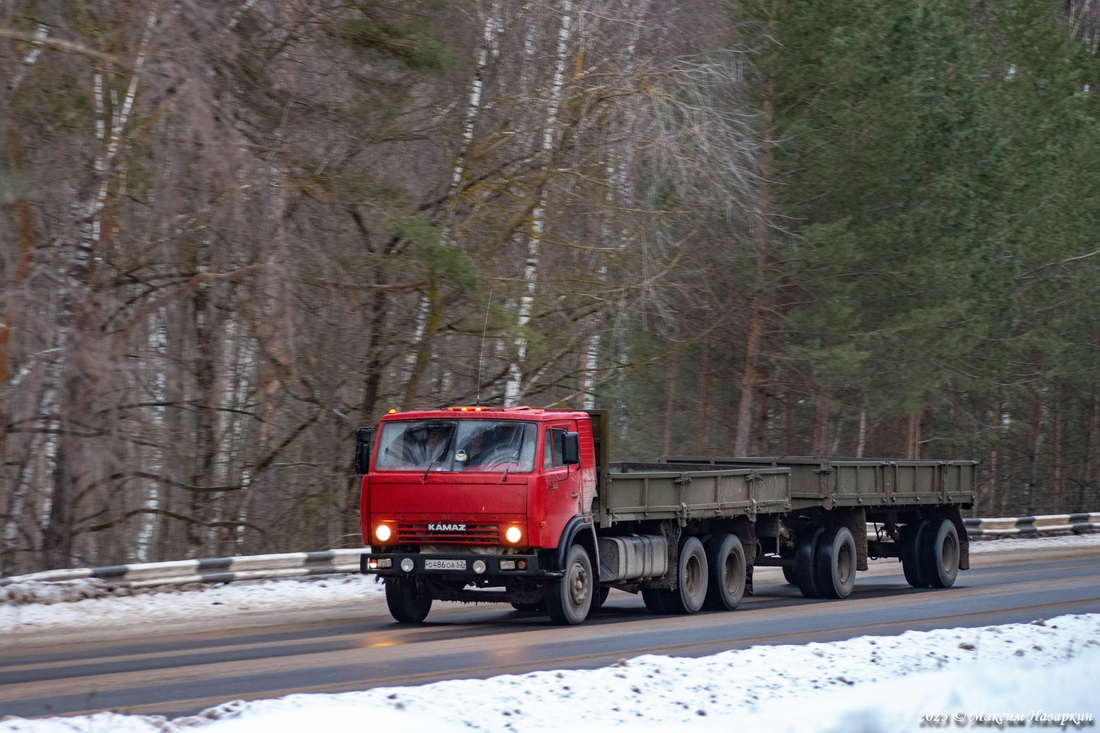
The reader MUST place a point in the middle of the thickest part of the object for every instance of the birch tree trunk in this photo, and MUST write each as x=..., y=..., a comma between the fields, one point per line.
x=77, y=319
x=428, y=316
x=513, y=386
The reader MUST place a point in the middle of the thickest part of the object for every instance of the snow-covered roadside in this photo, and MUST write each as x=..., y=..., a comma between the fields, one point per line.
x=208, y=602
x=1041, y=674
x=277, y=596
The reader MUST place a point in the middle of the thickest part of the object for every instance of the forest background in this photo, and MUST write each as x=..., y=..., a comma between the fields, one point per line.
x=233, y=232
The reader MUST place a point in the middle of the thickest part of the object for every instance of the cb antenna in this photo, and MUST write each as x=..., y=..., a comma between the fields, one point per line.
x=481, y=354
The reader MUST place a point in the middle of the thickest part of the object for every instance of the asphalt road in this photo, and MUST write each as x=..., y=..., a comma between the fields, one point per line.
x=181, y=670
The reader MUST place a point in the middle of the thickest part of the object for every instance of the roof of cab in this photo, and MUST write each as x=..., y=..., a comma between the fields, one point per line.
x=482, y=411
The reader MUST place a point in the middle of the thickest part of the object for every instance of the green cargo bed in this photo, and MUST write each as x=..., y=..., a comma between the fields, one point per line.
x=829, y=482
x=642, y=491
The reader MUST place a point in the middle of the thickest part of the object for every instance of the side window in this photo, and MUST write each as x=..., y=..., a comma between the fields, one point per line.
x=553, y=458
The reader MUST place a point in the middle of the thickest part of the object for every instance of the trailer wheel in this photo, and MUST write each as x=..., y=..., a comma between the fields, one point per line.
x=790, y=575
x=537, y=607
x=939, y=555
x=912, y=542
x=407, y=603
x=726, y=565
x=805, y=561
x=569, y=600
x=835, y=563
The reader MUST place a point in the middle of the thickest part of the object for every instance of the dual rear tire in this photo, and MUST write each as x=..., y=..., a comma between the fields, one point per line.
x=930, y=553
x=825, y=563
x=710, y=574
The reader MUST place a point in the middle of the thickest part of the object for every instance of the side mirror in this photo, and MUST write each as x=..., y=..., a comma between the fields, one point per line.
x=362, y=449
x=571, y=449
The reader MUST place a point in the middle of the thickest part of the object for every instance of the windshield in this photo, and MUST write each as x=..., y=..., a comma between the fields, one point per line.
x=457, y=445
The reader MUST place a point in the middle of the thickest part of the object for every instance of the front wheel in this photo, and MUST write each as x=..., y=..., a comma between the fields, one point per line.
x=407, y=603
x=569, y=600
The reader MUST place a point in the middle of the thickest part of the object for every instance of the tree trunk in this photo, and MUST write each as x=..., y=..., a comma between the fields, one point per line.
x=514, y=387
x=758, y=303
x=1057, y=503
x=672, y=385
x=913, y=436
x=822, y=419
x=1034, y=450
x=703, y=425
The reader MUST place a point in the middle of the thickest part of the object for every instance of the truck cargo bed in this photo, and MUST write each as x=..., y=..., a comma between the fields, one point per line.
x=829, y=482
x=644, y=491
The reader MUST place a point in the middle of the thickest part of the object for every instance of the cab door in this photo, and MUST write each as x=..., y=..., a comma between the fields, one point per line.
x=562, y=497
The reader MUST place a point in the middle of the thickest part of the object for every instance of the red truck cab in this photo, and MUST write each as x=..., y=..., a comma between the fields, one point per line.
x=462, y=499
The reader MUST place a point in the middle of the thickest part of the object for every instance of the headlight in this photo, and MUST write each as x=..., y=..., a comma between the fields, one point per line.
x=383, y=532
x=513, y=534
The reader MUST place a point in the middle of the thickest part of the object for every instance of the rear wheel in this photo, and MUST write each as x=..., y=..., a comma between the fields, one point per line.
x=805, y=562
x=569, y=600
x=789, y=574
x=691, y=576
x=726, y=570
x=407, y=603
x=939, y=555
x=912, y=540
x=835, y=563
x=691, y=582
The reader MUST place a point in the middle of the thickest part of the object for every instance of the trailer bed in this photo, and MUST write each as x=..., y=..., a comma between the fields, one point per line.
x=830, y=482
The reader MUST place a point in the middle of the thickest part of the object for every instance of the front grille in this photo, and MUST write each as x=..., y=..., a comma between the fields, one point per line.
x=475, y=534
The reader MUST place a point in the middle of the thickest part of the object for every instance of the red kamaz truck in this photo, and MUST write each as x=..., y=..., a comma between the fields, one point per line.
x=522, y=506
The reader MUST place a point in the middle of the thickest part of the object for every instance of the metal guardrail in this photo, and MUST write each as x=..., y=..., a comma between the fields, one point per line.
x=298, y=564
x=1026, y=526
x=208, y=570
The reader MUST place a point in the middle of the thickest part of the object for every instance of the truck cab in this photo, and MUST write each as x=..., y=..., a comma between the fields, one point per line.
x=462, y=500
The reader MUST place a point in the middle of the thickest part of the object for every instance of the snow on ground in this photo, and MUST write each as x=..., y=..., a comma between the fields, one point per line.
x=1042, y=674
x=172, y=606
x=984, y=545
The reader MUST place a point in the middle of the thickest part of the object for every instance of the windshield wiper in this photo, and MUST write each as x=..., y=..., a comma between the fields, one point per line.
x=445, y=451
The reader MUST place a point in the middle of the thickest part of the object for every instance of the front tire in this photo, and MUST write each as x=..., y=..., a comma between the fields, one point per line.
x=407, y=603
x=726, y=565
x=569, y=600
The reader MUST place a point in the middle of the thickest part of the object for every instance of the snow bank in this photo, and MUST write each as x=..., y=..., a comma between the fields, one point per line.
x=1042, y=674
x=182, y=604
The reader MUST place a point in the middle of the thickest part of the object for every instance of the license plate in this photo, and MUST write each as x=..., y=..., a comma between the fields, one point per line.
x=444, y=564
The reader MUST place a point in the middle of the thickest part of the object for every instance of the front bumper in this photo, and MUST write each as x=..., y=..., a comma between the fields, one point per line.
x=453, y=565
